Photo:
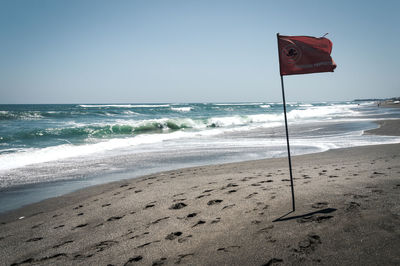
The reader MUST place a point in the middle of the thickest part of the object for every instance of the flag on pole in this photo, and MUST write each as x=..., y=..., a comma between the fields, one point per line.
x=304, y=54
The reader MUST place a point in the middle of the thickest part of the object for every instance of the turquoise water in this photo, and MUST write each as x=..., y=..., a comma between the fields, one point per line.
x=48, y=150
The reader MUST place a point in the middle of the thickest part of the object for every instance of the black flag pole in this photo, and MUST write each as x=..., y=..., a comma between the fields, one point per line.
x=287, y=131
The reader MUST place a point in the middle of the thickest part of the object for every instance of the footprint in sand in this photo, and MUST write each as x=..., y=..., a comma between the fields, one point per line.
x=184, y=239
x=36, y=225
x=229, y=249
x=148, y=243
x=247, y=178
x=34, y=239
x=309, y=244
x=204, y=195
x=173, y=235
x=213, y=202
x=217, y=220
x=59, y=226
x=132, y=260
x=150, y=205
x=157, y=221
x=114, y=218
x=63, y=243
x=79, y=226
x=4, y=237
x=251, y=195
x=355, y=196
x=139, y=236
x=273, y=261
x=228, y=206
x=177, y=206
x=319, y=205
x=40, y=260
x=353, y=206
x=314, y=218
x=182, y=257
x=266, y=229
x=159, y=262
x=103, y=245
x=230, y=185
x=178, y=200
x=199, y=223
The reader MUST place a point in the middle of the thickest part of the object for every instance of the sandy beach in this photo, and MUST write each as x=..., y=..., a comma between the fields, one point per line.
x=347, y=213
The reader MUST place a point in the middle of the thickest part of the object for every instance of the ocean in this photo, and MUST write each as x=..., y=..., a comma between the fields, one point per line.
x=52, y=149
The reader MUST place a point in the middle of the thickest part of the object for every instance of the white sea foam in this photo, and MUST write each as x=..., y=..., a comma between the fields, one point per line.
x=124, y=105
x=325, y=112
x=265, y=106
x=315, y=113
x=227, y=121
x=64, y=151
x=181, y=109
x=236, y=104
x=128, y=112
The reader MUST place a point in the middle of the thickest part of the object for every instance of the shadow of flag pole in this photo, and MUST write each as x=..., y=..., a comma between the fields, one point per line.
x=287, y=131
x=302, y=55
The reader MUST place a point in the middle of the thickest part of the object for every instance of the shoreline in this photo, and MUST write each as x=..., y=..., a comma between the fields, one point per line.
x=223, y=215
x=385, y=127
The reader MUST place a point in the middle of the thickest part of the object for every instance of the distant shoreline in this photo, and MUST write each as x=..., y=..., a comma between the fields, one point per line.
x=389, y=103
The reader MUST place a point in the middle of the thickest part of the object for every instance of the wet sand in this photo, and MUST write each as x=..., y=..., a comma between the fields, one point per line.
x=347, y=212
x=386, y=127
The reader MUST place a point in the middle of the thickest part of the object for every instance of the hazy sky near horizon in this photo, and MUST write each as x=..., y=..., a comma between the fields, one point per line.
x=81, y=51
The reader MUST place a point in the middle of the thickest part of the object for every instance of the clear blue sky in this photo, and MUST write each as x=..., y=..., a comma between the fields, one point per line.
x=54, y=51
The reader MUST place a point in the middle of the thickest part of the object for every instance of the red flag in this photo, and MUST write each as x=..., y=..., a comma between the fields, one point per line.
x=304, y=54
